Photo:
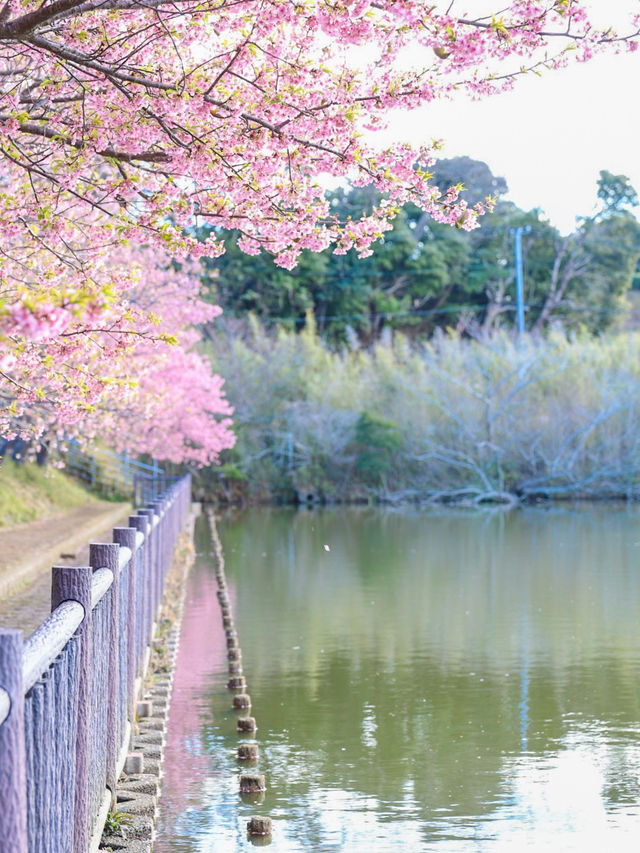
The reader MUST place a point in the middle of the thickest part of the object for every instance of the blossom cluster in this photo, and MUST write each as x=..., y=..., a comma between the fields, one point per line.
x=126, y=372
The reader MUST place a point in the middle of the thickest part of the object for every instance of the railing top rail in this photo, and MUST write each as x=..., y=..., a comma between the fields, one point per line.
x=48, y=641
x=113, y=466
x=50, y=638
x=114, y=461
x=105, y=456
x=5, y=705
x=124, y=556
x=158, y=474
x=100, y=584
x=146, y=467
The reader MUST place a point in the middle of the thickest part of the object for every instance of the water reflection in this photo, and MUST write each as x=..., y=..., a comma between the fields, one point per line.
x=443, y=680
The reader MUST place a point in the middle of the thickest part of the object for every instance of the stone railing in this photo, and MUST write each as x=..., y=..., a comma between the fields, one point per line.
x=68, y=694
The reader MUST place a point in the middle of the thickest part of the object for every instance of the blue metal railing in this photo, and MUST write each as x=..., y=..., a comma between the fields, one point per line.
x=114, y=473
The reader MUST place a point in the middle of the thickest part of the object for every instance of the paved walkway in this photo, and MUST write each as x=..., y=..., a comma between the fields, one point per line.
x=28, y=551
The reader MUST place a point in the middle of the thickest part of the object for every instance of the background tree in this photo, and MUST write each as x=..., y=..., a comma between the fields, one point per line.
x=595, y=266
x=425, y=275
x=473, y=176
x=405, y=284
x=615, y=194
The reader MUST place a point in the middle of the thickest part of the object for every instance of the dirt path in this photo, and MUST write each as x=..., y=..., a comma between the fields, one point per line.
x=28, y=551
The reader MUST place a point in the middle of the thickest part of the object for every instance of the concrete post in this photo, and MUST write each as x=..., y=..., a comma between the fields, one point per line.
x=73, y=583
x=126, y=536
x=106, y=556
x=13, y=762
x=141, y=524
x=152, y=560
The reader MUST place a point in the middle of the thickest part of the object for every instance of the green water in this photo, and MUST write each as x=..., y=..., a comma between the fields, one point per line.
x=448, y=681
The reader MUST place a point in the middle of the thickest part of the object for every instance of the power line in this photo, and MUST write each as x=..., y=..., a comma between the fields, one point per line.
x=430, y=312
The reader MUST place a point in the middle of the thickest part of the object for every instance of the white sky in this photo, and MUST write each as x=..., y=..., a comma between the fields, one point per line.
x=551, y=136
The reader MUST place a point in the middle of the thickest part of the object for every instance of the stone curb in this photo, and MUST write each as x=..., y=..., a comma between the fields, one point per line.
x=138, y=794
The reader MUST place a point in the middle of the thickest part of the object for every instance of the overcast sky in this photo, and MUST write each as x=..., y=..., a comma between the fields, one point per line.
x=551, y=136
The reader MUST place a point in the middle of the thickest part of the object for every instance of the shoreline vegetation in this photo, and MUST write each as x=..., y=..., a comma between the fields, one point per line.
x=452, y=421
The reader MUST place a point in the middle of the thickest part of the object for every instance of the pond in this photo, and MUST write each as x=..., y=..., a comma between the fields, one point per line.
x=421, y=680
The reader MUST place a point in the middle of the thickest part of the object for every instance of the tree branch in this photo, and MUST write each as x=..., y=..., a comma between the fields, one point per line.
x=122, y=156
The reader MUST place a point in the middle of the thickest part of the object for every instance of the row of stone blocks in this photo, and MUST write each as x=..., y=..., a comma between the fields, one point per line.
x=140, y=785
x=251, y=784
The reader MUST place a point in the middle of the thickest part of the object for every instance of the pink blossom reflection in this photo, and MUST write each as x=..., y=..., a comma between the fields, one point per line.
x=201, y=657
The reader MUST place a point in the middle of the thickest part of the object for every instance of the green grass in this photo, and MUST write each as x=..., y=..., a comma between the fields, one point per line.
x=28, y=493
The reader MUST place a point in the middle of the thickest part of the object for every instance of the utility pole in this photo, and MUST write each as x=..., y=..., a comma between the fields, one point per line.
x=517, y=234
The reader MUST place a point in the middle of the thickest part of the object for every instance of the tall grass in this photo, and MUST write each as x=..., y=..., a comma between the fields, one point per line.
x=450, y=420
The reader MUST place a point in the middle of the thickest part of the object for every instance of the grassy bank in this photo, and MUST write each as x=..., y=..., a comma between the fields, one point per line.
x=29, y=492
x=450, y=420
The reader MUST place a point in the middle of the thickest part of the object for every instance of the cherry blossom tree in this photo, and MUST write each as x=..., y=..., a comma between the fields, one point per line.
x=126, y=123
x=124, y=370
